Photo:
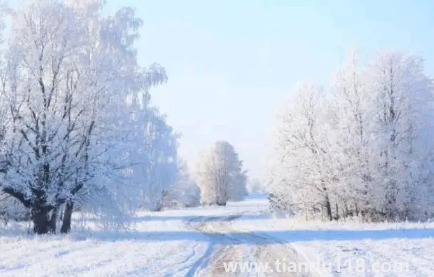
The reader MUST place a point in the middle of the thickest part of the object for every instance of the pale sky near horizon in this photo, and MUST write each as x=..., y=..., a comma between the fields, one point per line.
x=231, y=62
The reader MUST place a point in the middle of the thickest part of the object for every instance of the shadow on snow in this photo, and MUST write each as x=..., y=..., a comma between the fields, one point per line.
x=268, y=237
x=192, y=218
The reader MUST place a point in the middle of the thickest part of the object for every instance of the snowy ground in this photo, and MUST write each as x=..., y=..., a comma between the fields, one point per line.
x=194, y=242
x=338, y=246
x=160, y=244
x=155, y=248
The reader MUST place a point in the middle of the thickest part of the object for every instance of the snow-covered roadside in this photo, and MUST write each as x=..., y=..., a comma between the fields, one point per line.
x=344, y=246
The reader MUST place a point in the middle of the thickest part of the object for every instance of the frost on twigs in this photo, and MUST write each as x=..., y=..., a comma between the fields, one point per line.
x=77, y=130
x=220, y=175
x=361, y=147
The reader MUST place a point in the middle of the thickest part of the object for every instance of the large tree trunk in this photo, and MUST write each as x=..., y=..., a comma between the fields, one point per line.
x=41, y=224
x=67, y=215
x=60, y=213
x=53, y=220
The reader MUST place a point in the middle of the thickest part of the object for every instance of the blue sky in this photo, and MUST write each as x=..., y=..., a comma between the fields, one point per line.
x=231, y=62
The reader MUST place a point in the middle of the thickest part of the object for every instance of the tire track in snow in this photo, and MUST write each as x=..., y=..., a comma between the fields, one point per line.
x=200, y=224
x=245, y=247
x=186, y=263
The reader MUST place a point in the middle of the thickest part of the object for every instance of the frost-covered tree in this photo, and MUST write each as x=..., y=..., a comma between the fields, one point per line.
x=142, y=151
x=220, y=175
x=68, y=79
x=255, y=186
x=152, y=143
x=350, y=119
x=3, y=12
x=302, y=154
x=402, y=128
x=162, y=145
x=362, y=149
x=185, y=192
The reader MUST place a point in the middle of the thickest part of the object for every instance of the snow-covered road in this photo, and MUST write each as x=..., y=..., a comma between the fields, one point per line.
x=181, y=243
x=228, y=245
x=198, y=242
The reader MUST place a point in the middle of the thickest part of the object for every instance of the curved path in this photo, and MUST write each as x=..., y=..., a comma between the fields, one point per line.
x=230, y=245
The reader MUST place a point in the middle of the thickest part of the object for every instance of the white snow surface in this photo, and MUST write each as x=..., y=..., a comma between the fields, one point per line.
x=155, y=247
x=158, y=244
x=161, y=244
x=374, y=244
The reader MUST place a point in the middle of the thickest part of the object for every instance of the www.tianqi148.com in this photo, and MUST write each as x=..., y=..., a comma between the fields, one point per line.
x=339, y=265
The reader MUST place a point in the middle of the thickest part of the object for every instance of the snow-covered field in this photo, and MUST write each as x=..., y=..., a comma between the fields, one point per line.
x=156, y=247
x=162, y=244
x=338, y=246
x=159, y=244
